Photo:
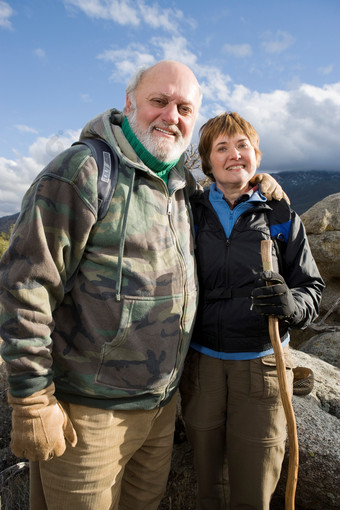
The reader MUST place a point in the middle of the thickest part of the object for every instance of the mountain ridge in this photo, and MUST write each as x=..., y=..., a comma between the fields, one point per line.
x=305, y=189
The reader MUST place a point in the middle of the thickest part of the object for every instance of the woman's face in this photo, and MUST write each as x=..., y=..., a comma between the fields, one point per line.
x=233, y=161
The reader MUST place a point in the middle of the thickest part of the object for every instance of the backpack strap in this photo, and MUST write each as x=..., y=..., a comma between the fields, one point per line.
x=107, y=161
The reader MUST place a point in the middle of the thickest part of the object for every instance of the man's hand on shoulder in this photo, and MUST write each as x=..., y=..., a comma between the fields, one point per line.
x=270, y=188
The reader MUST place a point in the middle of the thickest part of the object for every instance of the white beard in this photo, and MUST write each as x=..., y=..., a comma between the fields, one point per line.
x=162, y=149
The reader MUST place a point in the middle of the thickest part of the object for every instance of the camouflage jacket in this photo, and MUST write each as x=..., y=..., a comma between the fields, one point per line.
x=104, y=308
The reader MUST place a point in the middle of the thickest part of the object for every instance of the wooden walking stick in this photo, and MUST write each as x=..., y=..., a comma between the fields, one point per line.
x=293, y=466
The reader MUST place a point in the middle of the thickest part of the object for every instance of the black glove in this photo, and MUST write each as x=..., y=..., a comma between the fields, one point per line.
x=275, y=299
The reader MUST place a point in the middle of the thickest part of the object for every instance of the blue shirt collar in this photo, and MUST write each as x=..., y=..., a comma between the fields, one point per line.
x=253, y=195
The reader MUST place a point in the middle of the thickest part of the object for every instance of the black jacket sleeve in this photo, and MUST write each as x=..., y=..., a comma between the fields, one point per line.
x=302, y=276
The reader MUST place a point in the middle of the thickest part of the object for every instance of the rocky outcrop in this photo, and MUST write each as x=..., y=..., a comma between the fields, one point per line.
x=318, y=426
x=325, y=346
x=318, y=414
x=322, y=223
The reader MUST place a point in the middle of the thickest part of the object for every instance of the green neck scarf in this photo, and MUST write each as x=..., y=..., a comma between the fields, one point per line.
x=160, y=168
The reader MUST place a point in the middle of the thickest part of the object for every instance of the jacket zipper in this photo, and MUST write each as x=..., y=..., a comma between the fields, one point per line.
x=181, y=259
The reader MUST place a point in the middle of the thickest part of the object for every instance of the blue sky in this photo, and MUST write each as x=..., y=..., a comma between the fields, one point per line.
x=276, y=62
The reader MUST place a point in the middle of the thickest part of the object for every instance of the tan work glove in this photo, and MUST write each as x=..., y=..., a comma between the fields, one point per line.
x=270, y=188
x=40, y=426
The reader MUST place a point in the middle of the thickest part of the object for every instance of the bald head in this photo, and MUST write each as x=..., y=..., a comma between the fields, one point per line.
x=164, y=67
x=162, y=104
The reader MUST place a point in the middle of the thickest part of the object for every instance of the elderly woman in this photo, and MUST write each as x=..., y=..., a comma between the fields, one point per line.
x=230, y=393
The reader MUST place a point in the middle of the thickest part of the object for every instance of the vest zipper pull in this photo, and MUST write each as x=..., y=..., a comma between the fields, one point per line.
x=169, y=206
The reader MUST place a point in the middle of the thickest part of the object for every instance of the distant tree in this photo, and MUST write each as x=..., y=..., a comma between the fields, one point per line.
x=192, y=158
x=193, y=163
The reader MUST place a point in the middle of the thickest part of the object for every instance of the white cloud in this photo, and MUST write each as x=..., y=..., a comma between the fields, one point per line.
x=6, y=12
x=277, y=43
x=120, y=11
x=25, y=129
x=238, y=50
x=324, y=95
x=215, y=86
x=127, y=12
x=167, y=19
x=298, y=128
x=123, y=12
x=133, y=56
x=86, y=98
x=16, y=175
x=44, y=149
x=174, y=49
x=127, y=60
x=326, y=70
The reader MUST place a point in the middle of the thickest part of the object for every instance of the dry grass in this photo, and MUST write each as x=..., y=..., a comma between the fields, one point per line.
x=14, y=487
x=182, y=486
x=13, y=472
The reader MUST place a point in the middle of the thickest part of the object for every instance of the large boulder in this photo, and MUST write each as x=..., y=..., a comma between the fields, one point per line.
x=322, y=223
x=318, y=426
x=325, y=346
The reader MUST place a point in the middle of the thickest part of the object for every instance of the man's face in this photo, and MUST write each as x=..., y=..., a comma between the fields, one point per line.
x=163, y=110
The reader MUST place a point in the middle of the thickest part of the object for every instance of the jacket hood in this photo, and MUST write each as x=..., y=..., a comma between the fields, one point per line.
x=101, y=126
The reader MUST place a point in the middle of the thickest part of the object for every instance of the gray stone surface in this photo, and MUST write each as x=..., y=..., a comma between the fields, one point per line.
x=318, y=426
x=325, y=346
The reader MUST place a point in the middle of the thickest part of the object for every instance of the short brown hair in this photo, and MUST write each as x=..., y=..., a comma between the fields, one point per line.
x=226, y=123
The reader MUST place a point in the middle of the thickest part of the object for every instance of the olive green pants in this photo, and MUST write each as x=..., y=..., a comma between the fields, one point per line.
x=236, y=424
x=121, y=462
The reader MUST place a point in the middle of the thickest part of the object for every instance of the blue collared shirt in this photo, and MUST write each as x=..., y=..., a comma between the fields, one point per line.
x=228, y=215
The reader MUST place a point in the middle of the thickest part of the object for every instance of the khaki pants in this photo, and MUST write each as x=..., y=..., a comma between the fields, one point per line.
x=121, y=462
x=236, y=424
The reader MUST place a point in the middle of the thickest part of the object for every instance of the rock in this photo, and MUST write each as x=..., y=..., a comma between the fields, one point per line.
x=329, y=296
x=325, y=346
x=318, y=425
x=323, y=216
x=326, y=251
x=322, y=223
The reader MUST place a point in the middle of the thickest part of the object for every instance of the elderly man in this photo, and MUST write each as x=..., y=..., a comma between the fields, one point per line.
x=96, y=315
